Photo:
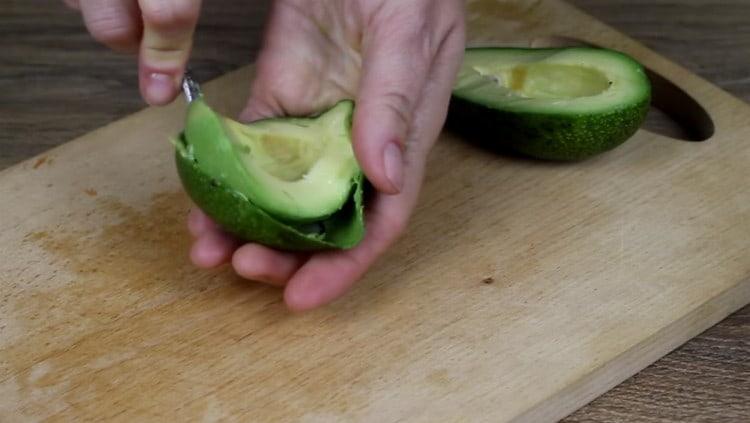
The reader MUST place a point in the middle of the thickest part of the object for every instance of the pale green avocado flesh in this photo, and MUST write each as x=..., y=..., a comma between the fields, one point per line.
x=297, y=169
x=550, y=103
x=290, y=183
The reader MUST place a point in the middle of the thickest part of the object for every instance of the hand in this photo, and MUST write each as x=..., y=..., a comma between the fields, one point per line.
x=398, y=60
x=160, y=31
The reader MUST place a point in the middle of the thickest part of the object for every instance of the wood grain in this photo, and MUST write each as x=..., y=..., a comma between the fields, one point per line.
x=708, y=378
x=59, y=70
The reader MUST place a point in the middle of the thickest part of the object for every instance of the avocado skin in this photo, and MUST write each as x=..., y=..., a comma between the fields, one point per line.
x=238, y=216
x=546, y=136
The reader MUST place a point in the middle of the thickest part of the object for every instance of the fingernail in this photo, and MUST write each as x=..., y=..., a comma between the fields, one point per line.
x=393, y=160
x=160, y=88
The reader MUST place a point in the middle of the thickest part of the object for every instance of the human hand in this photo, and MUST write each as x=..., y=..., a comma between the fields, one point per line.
x=160, y=31
x=398, y=60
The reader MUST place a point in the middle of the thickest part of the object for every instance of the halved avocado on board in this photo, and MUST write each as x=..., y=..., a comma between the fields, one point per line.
x=290, y=183
x=550, y=103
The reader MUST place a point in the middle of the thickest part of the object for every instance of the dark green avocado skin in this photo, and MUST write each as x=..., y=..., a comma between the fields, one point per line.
x=238, y=216
x=546, y=136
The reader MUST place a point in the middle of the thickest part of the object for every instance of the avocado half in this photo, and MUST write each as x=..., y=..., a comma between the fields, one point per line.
x=289, y=183
x=550, y=103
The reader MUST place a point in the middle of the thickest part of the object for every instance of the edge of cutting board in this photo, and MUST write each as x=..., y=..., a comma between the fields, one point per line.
x=608, y=375
x=650, y=350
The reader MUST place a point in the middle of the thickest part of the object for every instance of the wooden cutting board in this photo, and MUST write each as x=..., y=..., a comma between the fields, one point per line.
x=522, y=290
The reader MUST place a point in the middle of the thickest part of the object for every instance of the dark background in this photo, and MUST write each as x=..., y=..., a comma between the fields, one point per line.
x=56, y=84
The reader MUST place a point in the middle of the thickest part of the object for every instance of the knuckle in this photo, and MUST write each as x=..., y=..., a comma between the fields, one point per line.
x=170, y=14
x=165, y=51
x=111, y=30
x=455, y=37
x=399, y=105
x=164, y=55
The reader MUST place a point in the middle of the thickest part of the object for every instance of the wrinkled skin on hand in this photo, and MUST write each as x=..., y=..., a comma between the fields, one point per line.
x=397, y=59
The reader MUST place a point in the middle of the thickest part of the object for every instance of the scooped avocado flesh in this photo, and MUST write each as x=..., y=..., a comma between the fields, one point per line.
x=290, y=183
x=296, y=169
x=551, y=103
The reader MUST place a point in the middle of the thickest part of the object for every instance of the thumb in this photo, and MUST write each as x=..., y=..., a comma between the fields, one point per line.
x=390, y=87
x=168, y=27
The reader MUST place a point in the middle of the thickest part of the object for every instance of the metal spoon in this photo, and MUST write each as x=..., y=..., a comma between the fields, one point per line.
x=190, y=87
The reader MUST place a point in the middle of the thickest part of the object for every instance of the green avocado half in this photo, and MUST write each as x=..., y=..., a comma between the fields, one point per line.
x=289, y=183
x=566, y=103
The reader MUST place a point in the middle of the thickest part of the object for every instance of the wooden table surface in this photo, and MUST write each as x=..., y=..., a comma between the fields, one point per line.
x=57, y=84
